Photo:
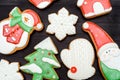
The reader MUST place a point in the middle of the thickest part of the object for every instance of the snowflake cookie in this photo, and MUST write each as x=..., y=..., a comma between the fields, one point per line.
x=9, y=71
x=62, y=24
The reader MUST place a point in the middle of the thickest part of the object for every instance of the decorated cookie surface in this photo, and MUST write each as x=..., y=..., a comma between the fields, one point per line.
x=15, y=30
x=41, y=4
x=94, y=8
x=79, y=59
x=107, y=50
x=9, y=71
x=42, y=63
x=62, y=24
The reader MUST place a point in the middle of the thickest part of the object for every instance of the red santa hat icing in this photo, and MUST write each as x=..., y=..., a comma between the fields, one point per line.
x=41, y=4
x=100, y=38
x=37, y=22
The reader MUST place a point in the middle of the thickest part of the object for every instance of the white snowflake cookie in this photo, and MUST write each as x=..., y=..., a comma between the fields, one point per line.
x=79, y=59
x=9, y=71
x=62, y=24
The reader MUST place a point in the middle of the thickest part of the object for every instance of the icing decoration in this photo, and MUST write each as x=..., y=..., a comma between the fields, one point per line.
x=94, y=8
x=44, y=45
x=10, y=71
x=41, y=4
x=111, y=74
x=41, y=58
x=79, y=59
x=33, y=68
x=13, y=34
x=17, y=19
x=62, y=24
x=15, y=31
x=107, y=50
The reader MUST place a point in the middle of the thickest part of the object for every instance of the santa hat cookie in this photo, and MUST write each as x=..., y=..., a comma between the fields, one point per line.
x=41, y=4
x=79, y=59
x=94, y=8
x=42, y=61
x=107, y=50
x=15, y=30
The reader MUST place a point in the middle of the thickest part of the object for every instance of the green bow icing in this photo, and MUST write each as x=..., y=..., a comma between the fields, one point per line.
x=17, y=19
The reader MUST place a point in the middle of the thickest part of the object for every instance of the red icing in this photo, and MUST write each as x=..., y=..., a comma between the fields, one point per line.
x=37, y=2
x=73, y=69
x=35, y=16
x=13, y=34
x=88, y=8
x=98, y=35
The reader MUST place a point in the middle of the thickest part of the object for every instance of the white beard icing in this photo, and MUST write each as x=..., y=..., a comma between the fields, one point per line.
x=111, y=58
x=6, y=47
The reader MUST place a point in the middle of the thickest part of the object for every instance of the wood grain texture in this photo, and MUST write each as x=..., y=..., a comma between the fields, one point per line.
x=110, y=23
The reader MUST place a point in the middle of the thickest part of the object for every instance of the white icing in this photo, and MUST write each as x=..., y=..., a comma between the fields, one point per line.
x=80, y=55
x=39, y=26
x=85, y=25
x=50, y=61
x=32, y=67
x=43, y=5
x=110, y=56
x=62, y=24
x=30, y=19
x=9, y=71
x=6, y=47
x=47, y=44
x=80, y=2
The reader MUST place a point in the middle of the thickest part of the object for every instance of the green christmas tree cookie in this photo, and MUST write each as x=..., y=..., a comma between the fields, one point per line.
x=42, y=62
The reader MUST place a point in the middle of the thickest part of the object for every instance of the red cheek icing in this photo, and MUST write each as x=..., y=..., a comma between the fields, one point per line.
x=73, y=69
x=13, y=34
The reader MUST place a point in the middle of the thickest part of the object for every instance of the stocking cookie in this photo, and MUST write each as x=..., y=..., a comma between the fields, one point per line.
x=9, y=71
x=62, y=24
x=79, y=59
x=15, y=31
x=42, y=62
x=41, y=4
x=94, y=8
x=107, y=50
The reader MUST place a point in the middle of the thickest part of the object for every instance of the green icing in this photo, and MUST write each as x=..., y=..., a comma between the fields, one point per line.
x=110, y=74
x=47, y=69
x=17, y=19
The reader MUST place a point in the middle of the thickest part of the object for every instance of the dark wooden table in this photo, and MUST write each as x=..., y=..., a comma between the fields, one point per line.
x=110, y=23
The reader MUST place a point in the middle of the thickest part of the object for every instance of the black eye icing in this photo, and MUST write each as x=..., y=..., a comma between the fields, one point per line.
x=49, y=53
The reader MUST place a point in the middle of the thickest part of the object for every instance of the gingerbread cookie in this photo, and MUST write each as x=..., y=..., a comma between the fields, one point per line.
x=15, y=30
x=41, y=4
x=94, y=8
x=79, y=59
x=42, y=62
x=62, y=24
x=107, y=50
x=9, y=71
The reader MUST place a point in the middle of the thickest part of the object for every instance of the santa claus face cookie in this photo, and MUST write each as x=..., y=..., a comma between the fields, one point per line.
x=41, y=4
x=15, y=31
x=94, y=8
x=107, y=50
x=79, y=59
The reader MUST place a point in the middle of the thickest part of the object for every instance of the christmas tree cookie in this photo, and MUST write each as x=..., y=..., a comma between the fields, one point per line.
x=42, y=62
x=107, y=50
x=10, y=71
x=15, y=31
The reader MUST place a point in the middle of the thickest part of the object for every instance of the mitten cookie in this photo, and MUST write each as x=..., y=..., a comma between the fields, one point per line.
x=94, y=8
x=15, y=31
x=62, y=24
x=41, y=4
x=107, y=50
x=9, y=71
x=42, y=62
x=79, y=59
